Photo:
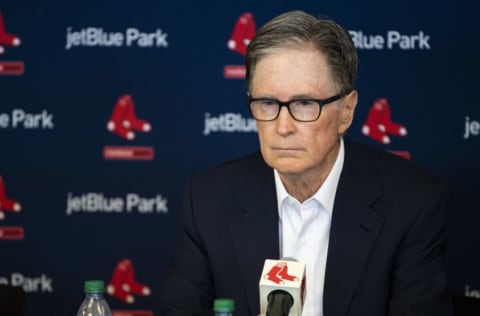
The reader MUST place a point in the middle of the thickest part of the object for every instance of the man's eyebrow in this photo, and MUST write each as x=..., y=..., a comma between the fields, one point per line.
x=294, y=97
x=302, y=96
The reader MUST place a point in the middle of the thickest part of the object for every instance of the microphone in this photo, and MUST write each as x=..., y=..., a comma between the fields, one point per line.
x=282, y=287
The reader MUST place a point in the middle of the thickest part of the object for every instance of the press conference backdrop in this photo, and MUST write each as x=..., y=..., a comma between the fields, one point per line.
x=107, y=107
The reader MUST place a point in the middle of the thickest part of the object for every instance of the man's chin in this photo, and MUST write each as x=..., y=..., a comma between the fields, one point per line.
x=286, y=165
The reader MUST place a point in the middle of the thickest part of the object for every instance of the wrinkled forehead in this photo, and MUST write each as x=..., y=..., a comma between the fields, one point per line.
x=292, y=65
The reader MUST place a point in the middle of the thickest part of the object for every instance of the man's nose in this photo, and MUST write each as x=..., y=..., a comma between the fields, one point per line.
x=285, y=122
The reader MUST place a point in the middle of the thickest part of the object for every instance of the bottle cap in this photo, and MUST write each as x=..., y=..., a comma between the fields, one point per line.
x=223, y=305
x=94, y=286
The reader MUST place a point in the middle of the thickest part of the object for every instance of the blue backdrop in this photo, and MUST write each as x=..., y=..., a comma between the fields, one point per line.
x=84, y=195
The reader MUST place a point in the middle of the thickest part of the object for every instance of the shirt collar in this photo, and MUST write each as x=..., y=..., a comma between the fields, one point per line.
x=326, y=194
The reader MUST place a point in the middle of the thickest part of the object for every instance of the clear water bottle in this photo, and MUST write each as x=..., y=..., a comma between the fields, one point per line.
x=223, y=307
x=94, y=304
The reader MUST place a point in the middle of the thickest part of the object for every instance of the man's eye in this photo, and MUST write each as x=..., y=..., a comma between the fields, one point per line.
x=268, y=103
x=304, y=104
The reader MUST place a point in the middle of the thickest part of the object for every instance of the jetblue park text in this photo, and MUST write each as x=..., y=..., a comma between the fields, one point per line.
x=97, y=37
x=228, y=123
x=40, y=284
x=99, y=203
x=19, y=118
x=472, y=128
x=391, y=40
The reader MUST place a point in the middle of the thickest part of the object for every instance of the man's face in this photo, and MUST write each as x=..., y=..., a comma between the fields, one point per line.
x=300, y=148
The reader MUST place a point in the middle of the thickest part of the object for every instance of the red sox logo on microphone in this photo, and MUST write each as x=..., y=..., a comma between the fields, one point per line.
x=11, y=40
x=287, y=276
x=279, y=274
x=243, y=32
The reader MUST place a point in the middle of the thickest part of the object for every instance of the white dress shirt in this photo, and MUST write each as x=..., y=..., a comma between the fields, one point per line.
x=305, y=229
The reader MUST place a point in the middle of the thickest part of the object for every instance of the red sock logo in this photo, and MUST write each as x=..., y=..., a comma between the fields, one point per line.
x=124, y=121
x=7, y=38
x=7, y=204
x=123, y=284
x=285, y=276
x=379, y=123
x=279, y=272
x=243, y=33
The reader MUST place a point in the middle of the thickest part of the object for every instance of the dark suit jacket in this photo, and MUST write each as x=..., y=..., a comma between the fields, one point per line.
x=387, y=239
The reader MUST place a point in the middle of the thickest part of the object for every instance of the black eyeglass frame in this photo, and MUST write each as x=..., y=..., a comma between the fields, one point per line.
x=320, y=102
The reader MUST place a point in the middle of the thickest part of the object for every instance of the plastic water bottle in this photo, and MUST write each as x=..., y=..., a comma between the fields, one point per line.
x=223, y=307
x=94, y=304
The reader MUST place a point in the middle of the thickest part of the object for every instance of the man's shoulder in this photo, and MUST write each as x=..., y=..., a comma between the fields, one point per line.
x=389, y=166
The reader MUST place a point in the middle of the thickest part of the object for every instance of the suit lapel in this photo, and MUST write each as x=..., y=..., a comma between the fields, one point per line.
x=354, y=229
x=255, y=233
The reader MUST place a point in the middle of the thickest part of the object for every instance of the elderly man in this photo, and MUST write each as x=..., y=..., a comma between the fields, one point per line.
x=370, y=226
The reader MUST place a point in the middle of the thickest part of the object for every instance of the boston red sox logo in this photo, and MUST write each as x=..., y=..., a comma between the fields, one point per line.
x=124, y=121
x=279, y=273
x=7, y=204
x=379, y=123
x=242, y=34
x=11, y=40
x=6, y=38
x=123, y=285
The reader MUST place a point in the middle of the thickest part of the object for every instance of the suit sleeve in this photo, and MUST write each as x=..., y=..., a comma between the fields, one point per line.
x=419, y=280
x=188, y=289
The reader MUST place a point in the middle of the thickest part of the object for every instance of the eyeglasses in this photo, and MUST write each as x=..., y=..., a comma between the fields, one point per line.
x=302, y=110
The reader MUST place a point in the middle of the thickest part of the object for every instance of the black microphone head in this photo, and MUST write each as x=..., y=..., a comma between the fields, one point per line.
x=279, y=303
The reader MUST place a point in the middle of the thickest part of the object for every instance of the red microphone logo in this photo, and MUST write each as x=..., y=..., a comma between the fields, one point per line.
x=279, y=273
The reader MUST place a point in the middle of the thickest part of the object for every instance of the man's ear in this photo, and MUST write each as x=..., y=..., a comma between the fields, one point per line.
x=347, y=111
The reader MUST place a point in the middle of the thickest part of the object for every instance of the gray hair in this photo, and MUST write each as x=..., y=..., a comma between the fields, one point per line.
x=297, y=29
